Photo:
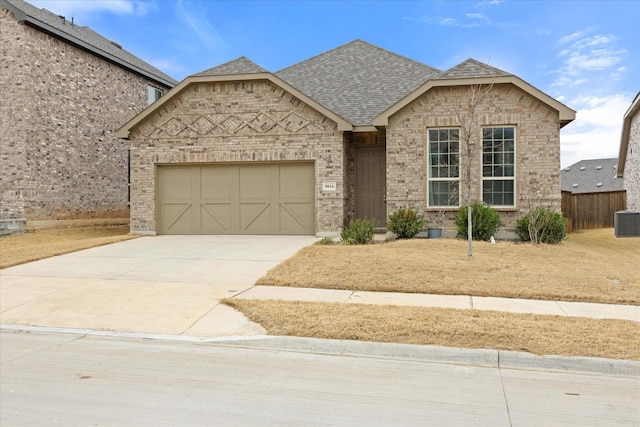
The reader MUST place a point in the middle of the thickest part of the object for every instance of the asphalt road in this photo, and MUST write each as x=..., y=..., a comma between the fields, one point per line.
x=66, y=379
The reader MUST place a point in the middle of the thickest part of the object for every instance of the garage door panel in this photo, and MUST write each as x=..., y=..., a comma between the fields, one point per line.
x=178, y=184
x=294, y=182
x=219, y=183
x=216, y=218
x=256, y=218
x=178, y=217
x=256, y=182
x=236, y=199
x=295, y=216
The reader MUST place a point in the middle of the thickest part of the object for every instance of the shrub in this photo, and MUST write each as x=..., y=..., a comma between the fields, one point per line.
x=406, y=223
x=359, y=232
x=326, y=241
x=485, y=221
x=542, y=225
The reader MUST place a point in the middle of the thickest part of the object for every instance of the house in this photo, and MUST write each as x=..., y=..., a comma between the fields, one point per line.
x=65, y=90
x=357, y=131
x=591, y=194
x=629, y=156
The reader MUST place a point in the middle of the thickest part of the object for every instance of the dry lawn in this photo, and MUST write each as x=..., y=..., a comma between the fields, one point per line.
x=47, y=242
x=590, y=266
x=565, y=336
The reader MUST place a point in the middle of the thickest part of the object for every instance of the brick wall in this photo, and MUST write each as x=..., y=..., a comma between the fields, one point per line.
x=239, y=122
x=632, y=165
x=60, y=107
x=537, y=148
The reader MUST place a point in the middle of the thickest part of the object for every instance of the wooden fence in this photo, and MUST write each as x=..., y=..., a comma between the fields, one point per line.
x=585, y=211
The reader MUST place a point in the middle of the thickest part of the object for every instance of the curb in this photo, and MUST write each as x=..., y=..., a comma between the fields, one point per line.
x=498, y=359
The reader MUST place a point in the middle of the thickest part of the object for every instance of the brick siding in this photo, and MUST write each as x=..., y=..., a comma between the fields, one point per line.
x=632, y=165
x=60, y=107
x=236, y=122
x=537, y=149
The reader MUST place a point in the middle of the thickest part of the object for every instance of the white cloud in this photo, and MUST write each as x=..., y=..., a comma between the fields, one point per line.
x=481, y=16
x=596, y=131
x=199, y=24
x=583, y=53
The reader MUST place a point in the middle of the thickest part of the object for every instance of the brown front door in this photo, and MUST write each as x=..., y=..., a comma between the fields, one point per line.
x=370, y=184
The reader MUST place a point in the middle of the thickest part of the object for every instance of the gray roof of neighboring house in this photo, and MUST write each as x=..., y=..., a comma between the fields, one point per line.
x=240, y=65
x=85, y=38
x=357, y=80
x=591, y=176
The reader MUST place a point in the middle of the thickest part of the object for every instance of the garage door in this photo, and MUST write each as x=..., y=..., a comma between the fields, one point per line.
x=236, y=199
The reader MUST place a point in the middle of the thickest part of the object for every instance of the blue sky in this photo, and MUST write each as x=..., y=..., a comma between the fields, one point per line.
x=584, y=53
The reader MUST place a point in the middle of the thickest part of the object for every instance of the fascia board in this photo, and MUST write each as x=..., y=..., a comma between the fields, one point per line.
x=566, y=114
x=624, y=138
x=123, y=132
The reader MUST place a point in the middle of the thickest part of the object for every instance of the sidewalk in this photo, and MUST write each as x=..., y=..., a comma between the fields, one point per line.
x=512, y=305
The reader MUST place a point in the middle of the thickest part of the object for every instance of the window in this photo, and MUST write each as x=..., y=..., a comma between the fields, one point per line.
x=498, y=166
x=444, y=167
x=153, y=94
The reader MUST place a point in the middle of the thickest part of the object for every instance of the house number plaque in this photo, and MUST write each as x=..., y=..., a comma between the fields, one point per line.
x=328, y=186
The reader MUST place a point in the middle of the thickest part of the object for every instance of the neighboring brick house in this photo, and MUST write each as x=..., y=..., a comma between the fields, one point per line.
x=65, y=90
x=629, y=156
x=591, y=194
x=357, y=131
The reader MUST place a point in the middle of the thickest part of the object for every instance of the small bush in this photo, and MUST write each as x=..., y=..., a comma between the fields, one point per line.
x=542, y=225
x=406, y=223
x=359, y=232
x=326, y=241
x=484, y=221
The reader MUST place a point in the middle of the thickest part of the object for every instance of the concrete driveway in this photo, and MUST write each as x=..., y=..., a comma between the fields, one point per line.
x=150, y=285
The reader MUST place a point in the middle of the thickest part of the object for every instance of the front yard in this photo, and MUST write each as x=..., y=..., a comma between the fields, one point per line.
x=590, y=266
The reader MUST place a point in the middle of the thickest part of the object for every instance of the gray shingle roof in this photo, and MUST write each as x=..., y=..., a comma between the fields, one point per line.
x=472, y=68
x=591, y=176
x=357, y=80
x=240, y=65
x=85, y=38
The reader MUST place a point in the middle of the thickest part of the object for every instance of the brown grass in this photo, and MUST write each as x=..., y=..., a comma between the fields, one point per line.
x=47, y=242
x=538, y=334
x=590, y=266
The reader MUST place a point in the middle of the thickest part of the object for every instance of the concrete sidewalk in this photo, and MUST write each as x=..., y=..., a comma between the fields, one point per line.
x=512, y=305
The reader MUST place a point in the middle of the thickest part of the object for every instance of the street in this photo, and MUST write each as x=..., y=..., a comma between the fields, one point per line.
x=67, y=379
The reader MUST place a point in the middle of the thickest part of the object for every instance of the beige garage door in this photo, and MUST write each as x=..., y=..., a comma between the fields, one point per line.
x=236, y=199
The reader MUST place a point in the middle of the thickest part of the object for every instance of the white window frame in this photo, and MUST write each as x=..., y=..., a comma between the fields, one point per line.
x=500, y=169
x=432, y=179
x=153, y=94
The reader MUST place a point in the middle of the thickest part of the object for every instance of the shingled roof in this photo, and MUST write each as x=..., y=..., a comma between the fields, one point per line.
x=240, y=65
x=591, y=176
x=84, y=38
x=471, y=69
x=357, y=80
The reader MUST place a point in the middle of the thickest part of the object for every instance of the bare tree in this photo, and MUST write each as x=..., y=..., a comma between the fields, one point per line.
x=467, y=118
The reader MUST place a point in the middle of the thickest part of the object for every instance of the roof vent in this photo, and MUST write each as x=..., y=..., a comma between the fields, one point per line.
x=575, y=185
x=599, y=184
x=567, y=169
x=582, y=168
x=116, y=44
x=627, y=224
x=598, y=167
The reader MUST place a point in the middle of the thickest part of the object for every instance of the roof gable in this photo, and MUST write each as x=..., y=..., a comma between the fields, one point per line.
x=472, y=68
x=591, y=176
x=357, y=80
x=84, y=38
x=241, y=65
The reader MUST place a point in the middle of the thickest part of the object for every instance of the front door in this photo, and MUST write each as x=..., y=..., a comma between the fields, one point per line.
x=370, y=184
